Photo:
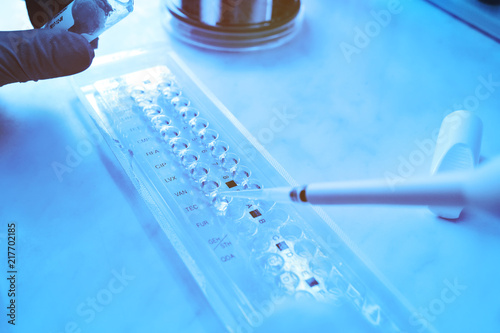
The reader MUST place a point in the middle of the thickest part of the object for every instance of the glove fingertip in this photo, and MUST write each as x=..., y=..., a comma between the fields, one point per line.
x=95, y=43
x=81, y=51
x=71, y=53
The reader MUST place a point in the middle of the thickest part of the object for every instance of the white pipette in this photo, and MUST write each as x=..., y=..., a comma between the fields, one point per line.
x=478, y=188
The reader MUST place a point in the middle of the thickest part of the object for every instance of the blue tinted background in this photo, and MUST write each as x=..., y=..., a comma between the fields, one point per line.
x=357, y=116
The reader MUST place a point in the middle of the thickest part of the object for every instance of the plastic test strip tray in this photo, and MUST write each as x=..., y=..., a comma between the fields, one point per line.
x=180, y=146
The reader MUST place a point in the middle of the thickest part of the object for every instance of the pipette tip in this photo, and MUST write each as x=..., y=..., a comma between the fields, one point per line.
x=280, y=194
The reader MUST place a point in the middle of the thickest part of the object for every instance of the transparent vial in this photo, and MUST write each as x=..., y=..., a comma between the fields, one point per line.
x=90, y=18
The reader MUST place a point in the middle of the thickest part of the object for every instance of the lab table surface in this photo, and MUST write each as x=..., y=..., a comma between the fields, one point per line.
x=356, y=109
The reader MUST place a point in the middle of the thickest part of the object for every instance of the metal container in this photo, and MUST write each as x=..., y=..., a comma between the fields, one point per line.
x=234, y=25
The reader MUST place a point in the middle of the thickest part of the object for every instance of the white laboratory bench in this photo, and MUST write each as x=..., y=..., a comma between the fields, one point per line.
x=351, y=116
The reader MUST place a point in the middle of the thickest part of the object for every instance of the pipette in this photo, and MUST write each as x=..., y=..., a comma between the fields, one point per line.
x=479, y=188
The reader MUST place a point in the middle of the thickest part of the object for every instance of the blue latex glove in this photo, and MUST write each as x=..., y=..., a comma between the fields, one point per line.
x=41, y=53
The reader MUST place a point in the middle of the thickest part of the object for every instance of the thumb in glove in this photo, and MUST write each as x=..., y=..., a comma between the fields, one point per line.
x=42, y=54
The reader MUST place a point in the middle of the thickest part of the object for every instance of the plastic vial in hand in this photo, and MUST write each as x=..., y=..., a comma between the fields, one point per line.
x=90, y=18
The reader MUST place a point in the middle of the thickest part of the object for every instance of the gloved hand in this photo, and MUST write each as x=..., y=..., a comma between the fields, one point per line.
x=42, y=53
